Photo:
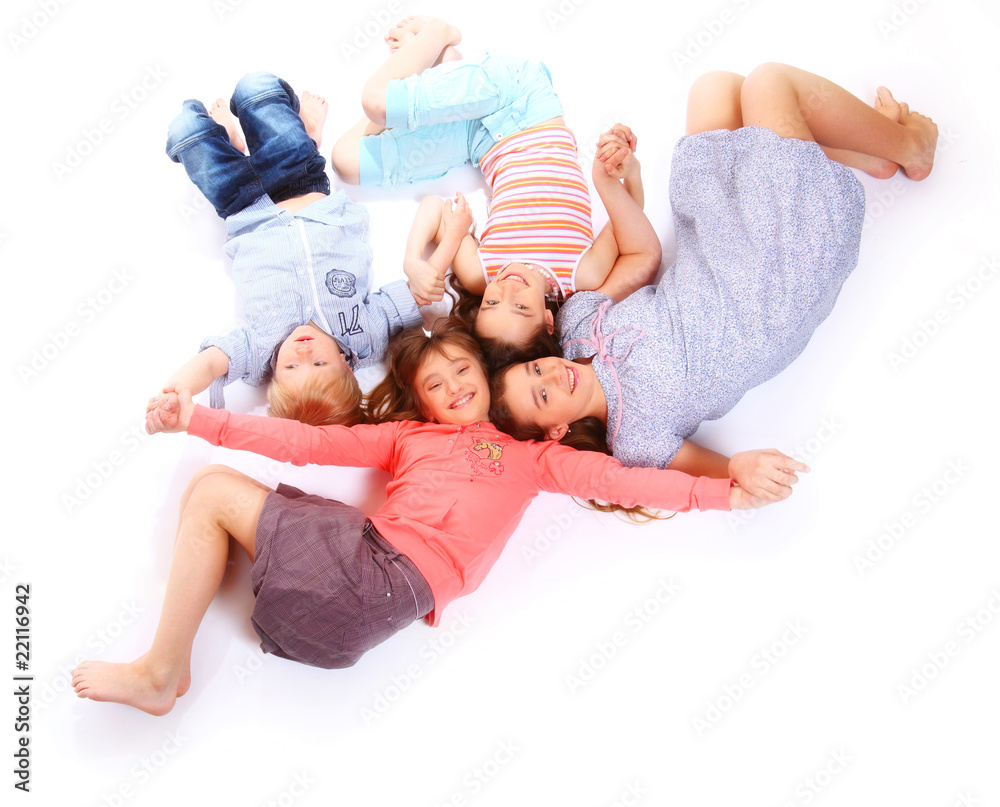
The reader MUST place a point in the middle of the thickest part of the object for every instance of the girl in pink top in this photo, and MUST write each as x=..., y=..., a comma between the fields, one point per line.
x=458, y=490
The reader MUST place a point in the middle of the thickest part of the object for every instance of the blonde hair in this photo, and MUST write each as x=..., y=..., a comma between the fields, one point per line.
x=320, y=402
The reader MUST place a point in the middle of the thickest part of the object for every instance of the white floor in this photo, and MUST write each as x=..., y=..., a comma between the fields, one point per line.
x=842, y=647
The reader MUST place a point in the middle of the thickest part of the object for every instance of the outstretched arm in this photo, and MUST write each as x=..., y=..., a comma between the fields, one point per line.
x=444, y=223
x=763, y=473
x=200, y=371
x=195, y=375
x=626, y=253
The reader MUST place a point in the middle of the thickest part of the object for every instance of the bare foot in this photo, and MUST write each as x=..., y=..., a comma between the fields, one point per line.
x=878, y=167
x=409, y=27
x=312, y=110
x=219, y=112
x=924, y=133
x=132, y=684
x=888, y=107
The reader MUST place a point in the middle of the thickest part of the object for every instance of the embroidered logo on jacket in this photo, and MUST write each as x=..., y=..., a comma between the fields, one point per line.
x=485, y=456
x=340, y=283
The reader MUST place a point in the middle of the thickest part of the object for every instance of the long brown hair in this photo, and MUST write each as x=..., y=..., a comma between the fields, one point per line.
x=496, y=352
x=586, y=434
x=394, y=397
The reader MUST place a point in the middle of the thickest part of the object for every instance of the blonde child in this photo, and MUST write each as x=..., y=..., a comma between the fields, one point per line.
x=301, y=257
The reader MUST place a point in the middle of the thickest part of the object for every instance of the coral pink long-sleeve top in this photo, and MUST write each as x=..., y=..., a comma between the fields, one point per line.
x=457, y=492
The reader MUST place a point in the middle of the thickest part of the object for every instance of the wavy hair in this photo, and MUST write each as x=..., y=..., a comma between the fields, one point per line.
x=495, y=351
x=394, y=397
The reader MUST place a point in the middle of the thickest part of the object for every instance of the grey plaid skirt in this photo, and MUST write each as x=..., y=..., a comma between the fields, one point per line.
x=328, y=587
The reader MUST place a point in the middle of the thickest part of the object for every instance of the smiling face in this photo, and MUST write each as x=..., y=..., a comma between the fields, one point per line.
x=308, y=354
x=452, y=388
x=513, y=306
x=552, y=393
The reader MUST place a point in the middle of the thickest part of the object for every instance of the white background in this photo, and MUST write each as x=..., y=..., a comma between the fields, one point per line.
x=765, y=662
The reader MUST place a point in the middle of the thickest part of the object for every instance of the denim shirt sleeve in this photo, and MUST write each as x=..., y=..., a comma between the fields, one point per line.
x=245, y=362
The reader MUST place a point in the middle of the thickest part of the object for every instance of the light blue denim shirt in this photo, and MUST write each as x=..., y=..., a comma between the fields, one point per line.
x=312, y=265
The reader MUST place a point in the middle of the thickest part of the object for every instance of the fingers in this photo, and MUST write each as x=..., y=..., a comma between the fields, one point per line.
x=610, y=143
x=162, y=418
x=626, y=133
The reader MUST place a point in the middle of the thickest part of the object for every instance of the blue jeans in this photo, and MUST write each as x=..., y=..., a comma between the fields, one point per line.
x=284, y=161
x=454, y=113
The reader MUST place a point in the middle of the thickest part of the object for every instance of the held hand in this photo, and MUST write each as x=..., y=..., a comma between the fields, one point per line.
x=616, y=152
x=456, y=216
x=765, y=474
x=426, y=283
x=740, y=499
x=171, y=413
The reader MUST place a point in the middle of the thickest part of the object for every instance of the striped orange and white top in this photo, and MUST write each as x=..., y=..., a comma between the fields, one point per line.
x=540, y=211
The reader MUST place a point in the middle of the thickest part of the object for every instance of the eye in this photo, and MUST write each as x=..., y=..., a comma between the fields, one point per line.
x=521, y=306
x=319, y=364
x=544, y=396
x=290, y=366
x=463, y=370
x=535, y=368
x=436, y=385
x=491, y=302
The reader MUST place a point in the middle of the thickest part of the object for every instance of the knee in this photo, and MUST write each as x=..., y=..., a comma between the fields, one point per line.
x=346, y=160
x=199, y=480
x=373, y=101
x=255, y=85
x=765, y=76
x=193, y=121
